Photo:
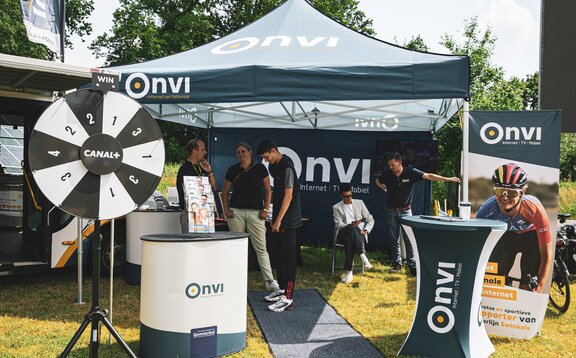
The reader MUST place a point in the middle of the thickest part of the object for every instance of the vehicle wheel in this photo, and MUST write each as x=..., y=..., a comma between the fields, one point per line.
x=560, y=288
x=119, y=256
x=106, y=251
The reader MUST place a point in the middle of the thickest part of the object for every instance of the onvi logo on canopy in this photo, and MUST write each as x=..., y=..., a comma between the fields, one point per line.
x=247, y=43
x=139, y=85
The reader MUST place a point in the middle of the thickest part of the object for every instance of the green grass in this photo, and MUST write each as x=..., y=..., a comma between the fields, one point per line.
x=38, y=316
x=168, y=177
x=567, y=198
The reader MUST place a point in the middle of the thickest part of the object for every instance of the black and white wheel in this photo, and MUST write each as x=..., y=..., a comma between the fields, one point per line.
x=96, y=155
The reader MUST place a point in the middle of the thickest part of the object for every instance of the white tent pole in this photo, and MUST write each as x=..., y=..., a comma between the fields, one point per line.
x=79, y=253
x=465, y=149
x=111, y=313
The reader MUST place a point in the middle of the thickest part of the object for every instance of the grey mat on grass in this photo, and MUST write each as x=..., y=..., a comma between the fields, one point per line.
x=311, y=329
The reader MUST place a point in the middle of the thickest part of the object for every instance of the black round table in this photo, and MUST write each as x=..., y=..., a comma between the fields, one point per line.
x=451, y=258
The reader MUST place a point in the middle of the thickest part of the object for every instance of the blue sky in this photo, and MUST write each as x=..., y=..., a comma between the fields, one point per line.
x=515, y=24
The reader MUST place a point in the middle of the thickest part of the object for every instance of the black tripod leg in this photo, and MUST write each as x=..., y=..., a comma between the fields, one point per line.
x=96, y=315
x=95, y=335
x=117, y=337
x=76, y=336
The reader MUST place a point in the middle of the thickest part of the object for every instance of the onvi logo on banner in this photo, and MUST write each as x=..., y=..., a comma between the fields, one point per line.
x=247, y=43
x=345, y=174
x=493, y=133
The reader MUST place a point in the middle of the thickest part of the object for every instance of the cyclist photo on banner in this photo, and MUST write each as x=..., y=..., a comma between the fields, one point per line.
x=519, y=270
x=525, y=253
x=514, y=179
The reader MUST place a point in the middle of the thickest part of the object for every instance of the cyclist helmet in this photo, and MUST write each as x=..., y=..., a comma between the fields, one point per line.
x=510, y=176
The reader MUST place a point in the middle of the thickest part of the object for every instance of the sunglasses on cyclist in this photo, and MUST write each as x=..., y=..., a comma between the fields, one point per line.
x=510, y=193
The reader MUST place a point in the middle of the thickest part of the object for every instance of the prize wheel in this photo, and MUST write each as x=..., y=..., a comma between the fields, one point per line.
x=96, y=155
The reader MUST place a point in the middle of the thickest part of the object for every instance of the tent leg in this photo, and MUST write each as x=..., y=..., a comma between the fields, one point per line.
x=465, y=150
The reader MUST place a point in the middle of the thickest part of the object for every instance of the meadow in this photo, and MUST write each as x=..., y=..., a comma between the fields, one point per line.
x=38, y=314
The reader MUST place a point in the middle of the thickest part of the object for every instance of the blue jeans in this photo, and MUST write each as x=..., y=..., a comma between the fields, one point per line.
x=392, y=220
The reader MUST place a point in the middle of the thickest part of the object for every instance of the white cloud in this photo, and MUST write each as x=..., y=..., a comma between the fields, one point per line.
x=518, y=36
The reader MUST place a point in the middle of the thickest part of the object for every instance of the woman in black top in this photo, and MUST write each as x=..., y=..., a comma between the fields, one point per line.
x=248, y=206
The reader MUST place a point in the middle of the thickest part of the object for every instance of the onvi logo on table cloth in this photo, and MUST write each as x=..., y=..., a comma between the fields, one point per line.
x=492, y=133
x=195, y=290
x=440, y=318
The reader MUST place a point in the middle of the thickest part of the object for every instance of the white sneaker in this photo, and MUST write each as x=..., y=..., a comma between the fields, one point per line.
x=347, y=277
x=365, y=261
x=272, y=285
x=282, y=305
x=275, y=296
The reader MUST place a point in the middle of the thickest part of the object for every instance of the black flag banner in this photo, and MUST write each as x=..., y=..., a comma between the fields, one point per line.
x=42, y=19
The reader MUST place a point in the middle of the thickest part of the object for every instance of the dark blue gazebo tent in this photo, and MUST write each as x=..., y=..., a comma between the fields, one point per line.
x=297, y=69
x=275, y=71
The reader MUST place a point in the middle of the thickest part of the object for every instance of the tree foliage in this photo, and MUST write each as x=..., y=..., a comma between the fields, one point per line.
x=489, y=89
x=13, y=33
x=417, y=44
x=148, y=29
x=568, y=157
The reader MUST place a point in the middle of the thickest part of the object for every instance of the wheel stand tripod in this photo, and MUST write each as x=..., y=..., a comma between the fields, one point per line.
x=96, y=315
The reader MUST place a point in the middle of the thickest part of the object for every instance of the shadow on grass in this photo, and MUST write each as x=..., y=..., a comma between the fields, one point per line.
x=105, y=350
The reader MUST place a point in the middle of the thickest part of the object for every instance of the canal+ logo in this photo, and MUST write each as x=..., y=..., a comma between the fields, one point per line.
x=493, y=133
x=195, y=290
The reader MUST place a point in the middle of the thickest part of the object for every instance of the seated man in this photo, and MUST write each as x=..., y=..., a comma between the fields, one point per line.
x=352, y=223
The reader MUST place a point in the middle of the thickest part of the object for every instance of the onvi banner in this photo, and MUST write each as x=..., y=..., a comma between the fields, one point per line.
x=514, y=179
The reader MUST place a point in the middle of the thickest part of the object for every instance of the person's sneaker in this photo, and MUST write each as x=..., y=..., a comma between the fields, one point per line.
x=272, y=285
x=396, y=266
x=275, y=296
x=367, y=266
x=347, y=277
x=282, y=305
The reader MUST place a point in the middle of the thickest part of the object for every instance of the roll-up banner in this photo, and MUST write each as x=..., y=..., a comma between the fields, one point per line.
x=325, y=158
x=503, y=145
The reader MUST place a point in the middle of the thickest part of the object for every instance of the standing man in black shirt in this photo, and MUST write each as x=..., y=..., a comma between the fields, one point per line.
x=398, y=181
x=286, y=218
x=195, y=165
